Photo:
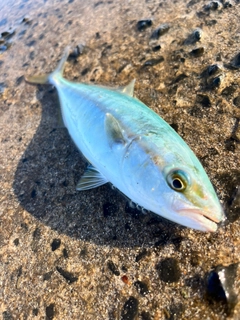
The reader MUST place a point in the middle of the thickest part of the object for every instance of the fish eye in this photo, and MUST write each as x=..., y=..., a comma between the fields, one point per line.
x=178, y=180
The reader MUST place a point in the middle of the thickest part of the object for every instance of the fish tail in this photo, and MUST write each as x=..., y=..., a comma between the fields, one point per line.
x=46, y=78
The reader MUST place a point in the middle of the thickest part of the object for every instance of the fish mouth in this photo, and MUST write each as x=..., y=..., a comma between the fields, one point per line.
x=202, y=220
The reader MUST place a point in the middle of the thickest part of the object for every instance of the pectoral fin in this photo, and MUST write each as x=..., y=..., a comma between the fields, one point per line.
x=91, y=178
x=115, y=133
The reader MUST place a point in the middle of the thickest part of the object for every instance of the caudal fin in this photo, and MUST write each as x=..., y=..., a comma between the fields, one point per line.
x=46, y=78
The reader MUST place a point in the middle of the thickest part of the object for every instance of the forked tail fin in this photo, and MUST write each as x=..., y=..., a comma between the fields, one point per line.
x=46, y=78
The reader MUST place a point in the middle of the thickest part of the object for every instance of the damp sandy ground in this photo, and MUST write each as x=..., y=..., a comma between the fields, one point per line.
x=71, y=255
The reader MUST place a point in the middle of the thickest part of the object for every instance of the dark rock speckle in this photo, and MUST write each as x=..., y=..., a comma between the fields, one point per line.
x=141, y=287
x=50, y=311
x=236, y=101
x=168, y=270
x=143, y=24
x=55, y=244
x=160, y=31
x=130, y=309
x=113, y=268
x=67, y=275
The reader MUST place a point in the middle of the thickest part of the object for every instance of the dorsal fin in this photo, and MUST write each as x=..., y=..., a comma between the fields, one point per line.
x=129, y=88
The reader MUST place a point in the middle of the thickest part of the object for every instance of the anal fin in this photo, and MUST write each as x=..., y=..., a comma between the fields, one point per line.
x=91, y=178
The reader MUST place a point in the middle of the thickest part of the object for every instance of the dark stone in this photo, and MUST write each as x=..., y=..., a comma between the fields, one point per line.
x=198, y=52
x=26, y=21
x=65, y=253
x=145, y=315
x=1, y=62
x=228, y=4
x=35, y=312
x=19, y=80
x=109, y=209
x=153, y=62
x=16, y=242
x=98, y=3
x=141, y=255
x=213, y=69
x=213, y=5
x=50, y=311
x=203, y=100
x=55, y=244
x=216, y=82
x=235, y=63
x=141, y=287
x=175, y=311
x=194, y=37
x=143, y=24
x=37, y=233
x=76, y=52
x=31, y=43
x=67, y=275
x=160, y=31
x=179, y=78
x=31, y=55
x=7, y=315
x=229, y=90
x=47, y=275
x=98, y=36
x=236, y=101
x=8, y=34
x=33, y=194
x=220, y=283
x=113, y=268
x=156, y=48
x=169, y=270
x=130, y=309
x=70, y=1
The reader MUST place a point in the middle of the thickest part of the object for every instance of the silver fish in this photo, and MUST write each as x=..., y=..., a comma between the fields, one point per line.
x=129, y=145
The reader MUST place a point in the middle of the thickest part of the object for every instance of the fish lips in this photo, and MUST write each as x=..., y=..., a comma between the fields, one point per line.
x=203, y=220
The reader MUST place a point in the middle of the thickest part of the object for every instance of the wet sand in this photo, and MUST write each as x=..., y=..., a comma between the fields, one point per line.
x=86, y=255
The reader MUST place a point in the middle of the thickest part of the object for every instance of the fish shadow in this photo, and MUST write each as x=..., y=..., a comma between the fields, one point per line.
x=45, y=185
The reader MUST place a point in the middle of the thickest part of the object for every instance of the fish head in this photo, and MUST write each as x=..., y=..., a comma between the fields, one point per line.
x=191, y=198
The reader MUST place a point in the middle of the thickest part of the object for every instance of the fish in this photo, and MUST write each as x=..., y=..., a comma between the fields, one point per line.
x=129, y=145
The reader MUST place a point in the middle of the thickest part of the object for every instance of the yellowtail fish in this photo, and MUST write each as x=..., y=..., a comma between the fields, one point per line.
x=129, y=145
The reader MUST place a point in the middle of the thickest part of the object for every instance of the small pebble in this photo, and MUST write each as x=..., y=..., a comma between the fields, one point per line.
x=153, y=62
x=130, y=309
x=50, y=312
x=194, y=37
x=141, y=287
x=168, y=270
x=156, y=48
x=235, y=63
x=112, y=267
x=143, y=24
x=236, y=101
x=67, y=275
x=213, y=5
x=198, y=52
x=160, y=31
x=55, y=244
